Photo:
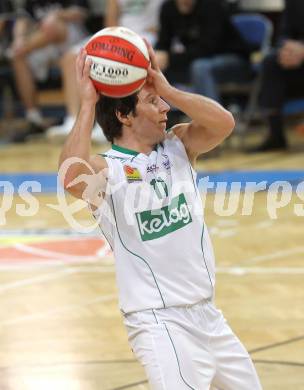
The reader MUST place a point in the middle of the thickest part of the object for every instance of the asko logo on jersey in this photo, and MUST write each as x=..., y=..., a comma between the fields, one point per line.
x=153, y=224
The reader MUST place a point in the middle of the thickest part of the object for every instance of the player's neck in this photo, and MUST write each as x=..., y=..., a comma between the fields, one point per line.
x=133, y=145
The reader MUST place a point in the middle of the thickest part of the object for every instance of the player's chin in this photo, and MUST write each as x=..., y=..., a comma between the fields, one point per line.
x=164, y=129
x=163, y=126
x=159, y=132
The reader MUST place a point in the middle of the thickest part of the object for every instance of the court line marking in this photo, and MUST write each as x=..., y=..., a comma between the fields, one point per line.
x=35, y=280
x=130, y=385
x=22, y=266
x=47, y=231
x=109, y=269
x=279, y=362
x=271, y=256
x=279, y=344
x=260, y=270
x=50, y=366
x=97, y=266
x=43, y=366
x=58, y=311
x=54, y=275
x=48, y=253
x=106, y=250
x=43, y=239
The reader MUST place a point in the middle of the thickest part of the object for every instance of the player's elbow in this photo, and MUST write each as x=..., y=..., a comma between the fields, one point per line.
x=66, y=183
x=228, y=124
x=67, y=179
x=75, y=190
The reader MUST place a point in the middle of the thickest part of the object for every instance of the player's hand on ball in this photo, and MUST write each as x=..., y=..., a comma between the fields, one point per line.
x=87, y=91
x=155, y=75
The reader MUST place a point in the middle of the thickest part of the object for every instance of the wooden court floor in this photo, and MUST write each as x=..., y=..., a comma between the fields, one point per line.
x=60, y=326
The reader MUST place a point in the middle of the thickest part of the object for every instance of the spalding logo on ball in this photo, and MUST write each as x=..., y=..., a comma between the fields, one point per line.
x=120, y=60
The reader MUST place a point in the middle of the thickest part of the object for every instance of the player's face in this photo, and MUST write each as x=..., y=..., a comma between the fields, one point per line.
x=151, y=115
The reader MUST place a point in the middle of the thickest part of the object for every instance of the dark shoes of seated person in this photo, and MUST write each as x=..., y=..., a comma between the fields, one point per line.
x=269, y=145
x=24, y=135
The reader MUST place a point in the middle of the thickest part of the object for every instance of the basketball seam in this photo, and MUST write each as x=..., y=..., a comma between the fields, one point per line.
x=125, y=40
x=109, y=36
x=119, y=86
x=120, y=62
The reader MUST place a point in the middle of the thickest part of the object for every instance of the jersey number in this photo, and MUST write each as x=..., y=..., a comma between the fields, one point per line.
x=160, y=187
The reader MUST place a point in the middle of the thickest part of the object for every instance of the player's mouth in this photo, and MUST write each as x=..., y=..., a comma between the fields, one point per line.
x=164, y=121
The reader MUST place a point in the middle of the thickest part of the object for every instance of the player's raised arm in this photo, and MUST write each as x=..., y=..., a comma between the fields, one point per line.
x=210, y=124
x=78, y=169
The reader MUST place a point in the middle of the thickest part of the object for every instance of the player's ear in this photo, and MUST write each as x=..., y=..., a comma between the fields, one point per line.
x=124, y=119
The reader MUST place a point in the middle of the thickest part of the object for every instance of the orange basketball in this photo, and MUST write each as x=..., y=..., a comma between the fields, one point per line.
x=120, y=60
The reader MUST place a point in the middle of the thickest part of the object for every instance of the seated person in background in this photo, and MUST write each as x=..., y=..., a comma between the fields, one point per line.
x=197, y=43
x=51, y=27
x=6, y=8
x=140, y=16
x=283, y=75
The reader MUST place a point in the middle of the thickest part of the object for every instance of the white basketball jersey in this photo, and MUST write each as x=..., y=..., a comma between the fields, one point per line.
x=153, y=219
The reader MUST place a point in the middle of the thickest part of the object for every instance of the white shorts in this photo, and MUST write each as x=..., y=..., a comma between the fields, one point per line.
x=40, y=60
x=190, y=348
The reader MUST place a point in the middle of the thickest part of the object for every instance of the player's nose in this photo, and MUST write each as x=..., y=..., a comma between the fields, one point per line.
x=164, y=106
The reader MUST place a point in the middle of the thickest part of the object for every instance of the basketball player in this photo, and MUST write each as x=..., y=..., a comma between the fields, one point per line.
x=164, y=257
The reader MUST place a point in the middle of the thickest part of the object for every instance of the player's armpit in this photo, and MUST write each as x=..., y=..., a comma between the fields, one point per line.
x=198, y=139
x=85, y=180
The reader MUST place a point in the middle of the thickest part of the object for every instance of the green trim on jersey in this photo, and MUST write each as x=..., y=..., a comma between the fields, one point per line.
x=193, y=181
x=121, y=149
x=122, y=159
x=124, y=150
x=177, y=359
x=202, y=246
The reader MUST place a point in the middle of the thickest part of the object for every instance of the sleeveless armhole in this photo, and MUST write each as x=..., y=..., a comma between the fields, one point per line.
x=98, y=213
x=183, y=154
x=172, y=136
x=104, y=214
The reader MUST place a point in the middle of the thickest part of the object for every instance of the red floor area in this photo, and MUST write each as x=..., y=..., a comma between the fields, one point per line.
x=52, y=249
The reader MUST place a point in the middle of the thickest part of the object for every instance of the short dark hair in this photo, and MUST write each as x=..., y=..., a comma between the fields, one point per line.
x=106, y=114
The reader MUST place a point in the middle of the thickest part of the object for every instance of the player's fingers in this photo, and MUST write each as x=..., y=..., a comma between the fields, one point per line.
x=146, y=42
x=87, y=68
x=151, y=73
x=77, y=66
x=152, y=56
x=80, y=63
x=154, y=63
x=149, y=79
